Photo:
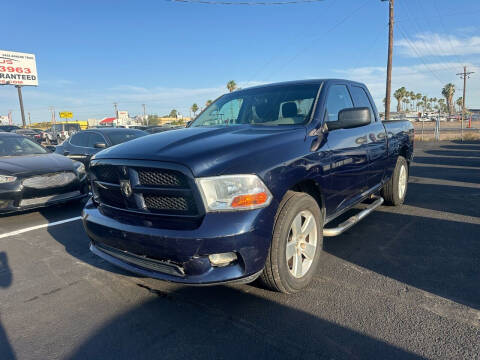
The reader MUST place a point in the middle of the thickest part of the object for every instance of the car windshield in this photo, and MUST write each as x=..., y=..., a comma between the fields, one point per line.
x=270, y=105
x=120, y=137
x=17, y=146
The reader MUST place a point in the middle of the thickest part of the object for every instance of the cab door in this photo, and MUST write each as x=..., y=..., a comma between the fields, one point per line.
x=376, y=140
x=348, y=161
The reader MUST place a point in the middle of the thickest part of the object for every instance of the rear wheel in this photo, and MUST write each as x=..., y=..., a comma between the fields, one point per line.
x=296, y=244
x=395, y=189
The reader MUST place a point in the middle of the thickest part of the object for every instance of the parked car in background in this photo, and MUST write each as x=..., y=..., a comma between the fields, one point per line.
x=32, y=177
x=84, y=144
x=157, y=129
x=32, y=135
x=42, y=133
x=60, y=132
x=251, y=187
x=8, y=128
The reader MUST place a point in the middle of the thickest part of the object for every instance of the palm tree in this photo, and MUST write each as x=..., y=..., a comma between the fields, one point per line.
x=194, y=109
x=425, y=102
x=441, y=104
x=418, y=97
x=459, y=103
x=399, y=94
x=231, y=85
x=448, y=91
x=208, y=103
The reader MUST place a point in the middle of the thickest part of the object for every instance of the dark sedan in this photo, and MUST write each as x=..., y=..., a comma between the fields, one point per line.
x=32, y=177
x=31, y=134
x=84, y=144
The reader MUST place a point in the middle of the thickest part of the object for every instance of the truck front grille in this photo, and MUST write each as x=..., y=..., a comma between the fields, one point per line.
x=156, y=191
x=159, y=177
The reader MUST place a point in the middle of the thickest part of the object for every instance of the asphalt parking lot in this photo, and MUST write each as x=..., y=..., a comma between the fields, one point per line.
x=403, y=283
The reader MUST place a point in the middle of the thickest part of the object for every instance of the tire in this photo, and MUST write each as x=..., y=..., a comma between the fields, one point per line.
x=392, y=191
x=282, y=274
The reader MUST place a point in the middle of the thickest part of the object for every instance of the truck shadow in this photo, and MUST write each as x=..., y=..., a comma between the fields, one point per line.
x=453, y=152
x=207, y=323
x=6, y=277
x=435, y=255
x=446, y=161
x=451, y=174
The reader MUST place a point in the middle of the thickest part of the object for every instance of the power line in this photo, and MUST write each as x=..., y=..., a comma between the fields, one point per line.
x=419, y=56
x=337, y=24
x=248, y=3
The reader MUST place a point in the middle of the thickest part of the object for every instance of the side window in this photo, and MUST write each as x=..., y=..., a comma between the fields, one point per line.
x=361, y=99
x=95, y=138
x=338, y=99
x=79, y=139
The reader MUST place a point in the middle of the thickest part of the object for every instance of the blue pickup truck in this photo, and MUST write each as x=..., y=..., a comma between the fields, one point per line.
x=250, y=188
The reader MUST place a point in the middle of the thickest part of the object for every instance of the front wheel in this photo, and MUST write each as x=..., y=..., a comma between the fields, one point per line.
x=395, y=189
x=296, y=244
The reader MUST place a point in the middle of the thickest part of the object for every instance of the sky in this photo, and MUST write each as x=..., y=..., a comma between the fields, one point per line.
x=168, y=55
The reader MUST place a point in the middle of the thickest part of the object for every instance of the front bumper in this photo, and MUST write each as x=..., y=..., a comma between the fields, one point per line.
x=182, y=255
x=13, y=197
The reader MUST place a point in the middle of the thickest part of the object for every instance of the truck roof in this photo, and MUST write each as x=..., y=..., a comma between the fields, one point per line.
x=302, y=82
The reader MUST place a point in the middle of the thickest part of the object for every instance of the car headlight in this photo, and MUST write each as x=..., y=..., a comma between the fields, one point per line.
x=233, y=192
x=7, y=179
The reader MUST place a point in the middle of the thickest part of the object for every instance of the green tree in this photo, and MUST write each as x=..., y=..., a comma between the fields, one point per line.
x=399, y=94
x=448, y=91
x=208, y=103
x=194, y=109
x=173, y=114
x=231, y=85
x=459, y=103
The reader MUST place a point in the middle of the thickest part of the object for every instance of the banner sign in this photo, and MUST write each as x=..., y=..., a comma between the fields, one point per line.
x=18, y=69
x=66, y=114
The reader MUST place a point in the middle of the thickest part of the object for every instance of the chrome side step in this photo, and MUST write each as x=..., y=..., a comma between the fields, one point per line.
x=347, y=224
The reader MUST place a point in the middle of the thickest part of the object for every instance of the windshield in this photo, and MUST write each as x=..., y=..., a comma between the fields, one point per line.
x=270, y=105
x=17, y=146
x=120, y=137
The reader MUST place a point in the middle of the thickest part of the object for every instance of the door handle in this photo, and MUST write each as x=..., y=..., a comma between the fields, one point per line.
x=66, y=153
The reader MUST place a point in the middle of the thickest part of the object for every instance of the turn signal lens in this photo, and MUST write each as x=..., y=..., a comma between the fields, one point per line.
x=249, y=200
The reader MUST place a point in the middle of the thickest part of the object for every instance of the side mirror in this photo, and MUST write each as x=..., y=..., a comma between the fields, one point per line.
x=100, y=146
x=351, y=118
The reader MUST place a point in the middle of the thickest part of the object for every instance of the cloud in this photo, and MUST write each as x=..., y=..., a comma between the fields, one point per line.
x=432, y=44
x=417, y=78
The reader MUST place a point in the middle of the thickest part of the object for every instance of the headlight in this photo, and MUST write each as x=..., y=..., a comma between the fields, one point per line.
x=7, y=179
x=233, y=192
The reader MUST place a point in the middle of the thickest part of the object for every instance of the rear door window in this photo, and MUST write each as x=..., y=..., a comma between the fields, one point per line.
x=360, y=99
x=338, y=98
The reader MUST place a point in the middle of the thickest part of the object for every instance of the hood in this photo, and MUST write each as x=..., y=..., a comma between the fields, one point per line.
x=35, y=164
x=211, y=151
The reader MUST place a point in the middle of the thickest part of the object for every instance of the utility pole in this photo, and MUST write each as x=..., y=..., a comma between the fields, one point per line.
x=115, y=107
x=29, y=120
x=54, y=122
x=464, y=76
x=145, y=114
x=20, y=99
x=390, y=58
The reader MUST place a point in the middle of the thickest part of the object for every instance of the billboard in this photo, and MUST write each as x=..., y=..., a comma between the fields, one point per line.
x=66, y=114
x=18, y=69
